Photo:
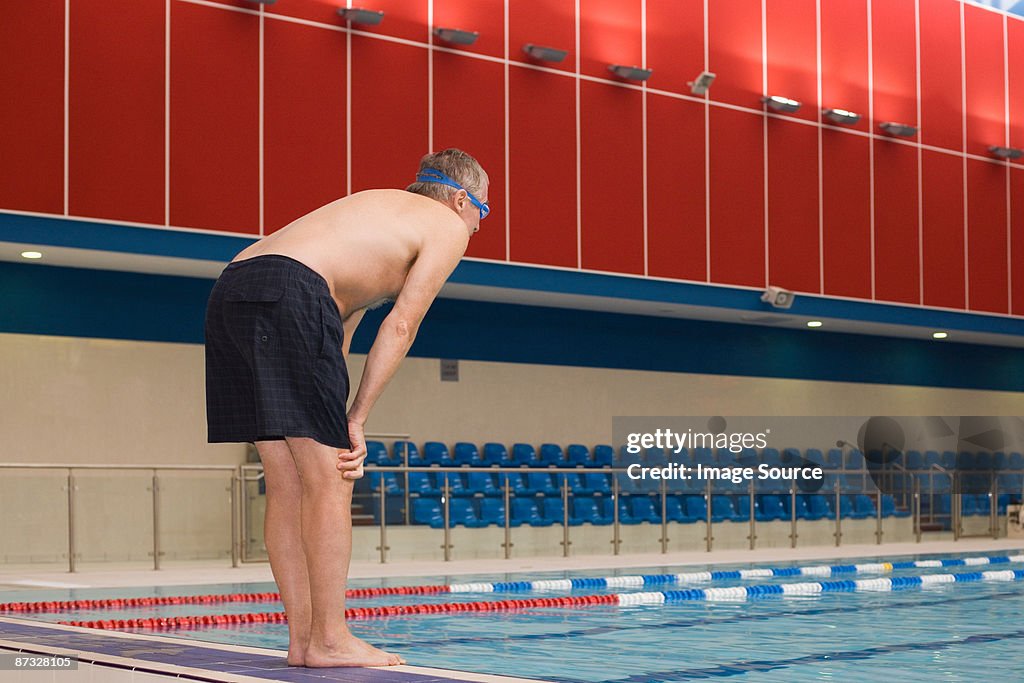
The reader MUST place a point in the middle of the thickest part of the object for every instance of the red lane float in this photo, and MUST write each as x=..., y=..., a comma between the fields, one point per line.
x=108, y=603
x=168, y=623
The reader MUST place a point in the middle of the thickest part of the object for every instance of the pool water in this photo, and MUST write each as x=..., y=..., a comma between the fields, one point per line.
x=949, y=632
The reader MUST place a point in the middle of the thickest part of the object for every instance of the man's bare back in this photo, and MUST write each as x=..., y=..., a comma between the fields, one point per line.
x=365, y=244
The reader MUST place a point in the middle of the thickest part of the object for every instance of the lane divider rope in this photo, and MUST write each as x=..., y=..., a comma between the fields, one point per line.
x=732, y=593
x=523, y=586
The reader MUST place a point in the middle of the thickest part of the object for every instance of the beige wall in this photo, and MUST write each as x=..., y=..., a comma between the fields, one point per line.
x=109, y=401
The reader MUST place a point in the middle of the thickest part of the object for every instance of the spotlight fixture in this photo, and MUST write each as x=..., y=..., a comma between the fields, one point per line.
x=939, y=335
x=1006, y=152
x=456, y=36
x=779, y=103
x=544, y=54
x=631, y=73
x=357, y=15
x=700, y=85
x=903, y=130
x=778, y=297
x=814, y=323
x=841, y=116
x=31, y=254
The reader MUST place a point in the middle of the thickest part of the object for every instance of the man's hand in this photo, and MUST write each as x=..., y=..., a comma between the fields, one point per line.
x=350, y=462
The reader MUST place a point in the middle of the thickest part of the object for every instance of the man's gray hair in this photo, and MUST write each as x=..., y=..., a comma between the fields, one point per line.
x=457, y=165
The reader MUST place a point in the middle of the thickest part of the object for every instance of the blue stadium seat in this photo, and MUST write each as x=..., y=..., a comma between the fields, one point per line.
x=627, y=485
x=576, y=484
x=984, y=461
x=462, y=512
x=578, y=456
x=496, y=454
x=603, y=456
x=645, y=509
x=525, y=455
x=889, y=507
x=932, y=458
x=1000, y=461
x=377, y=454
x=771, y=457
x=598, y=482
x=656, y=457
x=625, y=516
x=770, y=508
x=492, y=511
x=1016, y=461
x=482, y=483
x=391, y=483
x=436, y=453
x=554, y=511
x=741, y=503
x=456, y=483
x=726, y=458
x=834, y=460
x=854, y=460
x=468, y=454
x=551, y=455
x=948, y=459
x=406, y=452
x=674, y=511
x=818, y=507
x=815, y=457
x=424, y=484
x=585, y=511
x=803, y=507
x=965, y=460
x=864, y=506
x=541, y=482
x=968, y=505
x=526, y=511
x=703, y=456
x=1011, y=482
x=427, y=511
x=517, y=483
x=696, y=507
x=723, y=510
x=914, y=460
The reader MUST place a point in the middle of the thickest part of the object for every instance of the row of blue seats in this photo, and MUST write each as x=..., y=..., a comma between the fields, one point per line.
x=577, y=455
x=474, y=513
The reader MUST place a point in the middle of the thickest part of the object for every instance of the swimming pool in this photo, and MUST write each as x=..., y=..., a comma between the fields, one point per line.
x=949, y=631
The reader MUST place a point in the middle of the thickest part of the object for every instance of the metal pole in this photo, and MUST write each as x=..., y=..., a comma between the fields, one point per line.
x=384, y=521
x=708, y=538
x=234, y=518
x=993, y=517
x=917, y=508
x=156, y=521
x=878, y=518
x=616, y=541
x=792, y=514
x=405, y=464
x=954, y=507
x=664, y=522
x=445, y=502
x=71, y=521
x=839, y=522
x=565, y=516
x=508, y=517
x=243, y=514
x=753, y=520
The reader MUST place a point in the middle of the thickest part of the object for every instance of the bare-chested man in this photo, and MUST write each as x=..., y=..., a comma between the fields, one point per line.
x=278, y=327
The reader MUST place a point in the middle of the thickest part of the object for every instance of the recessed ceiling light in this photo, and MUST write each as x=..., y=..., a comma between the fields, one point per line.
x=31, y=254
x=813, y=323
x=939, y=335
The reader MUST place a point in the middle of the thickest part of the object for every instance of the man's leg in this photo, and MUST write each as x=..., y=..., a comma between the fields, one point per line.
x=282, y=533
x=327, y=539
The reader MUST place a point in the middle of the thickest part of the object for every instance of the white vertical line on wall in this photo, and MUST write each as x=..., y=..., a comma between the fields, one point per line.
x=821, y=163
x=707, y=160
x=261, y=129
x=643, y=125
x=508, y=203
x=963, y=132
x=348, y=105
x=764, y=131
x=67, y=90
x=167, y=113
x=430, y=76
x=871, y=143
x=1006, y=120
x=920, y=181
x=579, y=181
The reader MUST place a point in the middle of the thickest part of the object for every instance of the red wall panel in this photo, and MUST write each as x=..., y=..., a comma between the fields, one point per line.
x=986, y=100
x=542, y=168
x=473, y=119
x=32, y=121
x=1015, y=75
x=793, y=255
x=214, y=127
x=389, y=115
x=844, y=57
x=941, y=96
x=611, y=170
x=402, y=19
x=792, y=54
x=551, y=23
x=987, y=276
x=609, y=34
x=116, y=110
x=676, y=218
x=1017, y=240
x=322, y=11
x=894, y=61
x=304, y=121
x=734, y=52
x=675, y=43
x=943, y=229
x=897, y=244
x=737, y=197
x=486, y=17
x=846, y=214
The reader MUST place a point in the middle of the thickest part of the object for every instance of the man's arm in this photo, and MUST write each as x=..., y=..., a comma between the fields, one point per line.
x=428, y=273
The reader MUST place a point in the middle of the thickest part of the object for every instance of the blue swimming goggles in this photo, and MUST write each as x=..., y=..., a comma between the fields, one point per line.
x=432, y=175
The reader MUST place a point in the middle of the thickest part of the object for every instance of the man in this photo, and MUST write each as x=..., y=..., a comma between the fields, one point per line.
x=278, y=327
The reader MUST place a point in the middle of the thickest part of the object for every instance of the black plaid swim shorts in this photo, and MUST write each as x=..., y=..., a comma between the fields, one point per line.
x=274, y=366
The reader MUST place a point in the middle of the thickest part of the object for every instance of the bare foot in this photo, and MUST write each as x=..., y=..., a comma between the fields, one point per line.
x=349, y=651
x=296, y=657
